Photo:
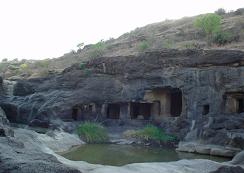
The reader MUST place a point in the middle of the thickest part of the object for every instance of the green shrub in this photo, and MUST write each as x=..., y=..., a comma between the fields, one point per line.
x=82, y=66
x=92, y=132
x=143, y=45
x=23, y=67
x=13, y=67
x=222, y=38
x=97, y=49
x=87, y=72
x=168, y=44
x=151, y=132
x=209, y=24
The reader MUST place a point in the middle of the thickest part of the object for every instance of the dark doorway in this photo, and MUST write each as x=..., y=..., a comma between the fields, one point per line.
x=176, y=103
x=75, y=113
x=140, y=109
x=234, y=102
x=240, y=105
x=205, y=110
x=113, y=111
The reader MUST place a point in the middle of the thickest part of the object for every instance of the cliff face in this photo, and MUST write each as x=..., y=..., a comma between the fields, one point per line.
x=200, y=87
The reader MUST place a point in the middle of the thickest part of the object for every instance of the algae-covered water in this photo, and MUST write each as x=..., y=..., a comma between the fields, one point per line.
x=118, y=155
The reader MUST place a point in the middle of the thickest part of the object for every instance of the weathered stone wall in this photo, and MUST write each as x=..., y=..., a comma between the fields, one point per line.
x=203, y=76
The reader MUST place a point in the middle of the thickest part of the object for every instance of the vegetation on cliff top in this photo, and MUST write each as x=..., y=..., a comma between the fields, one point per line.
x=178, y=34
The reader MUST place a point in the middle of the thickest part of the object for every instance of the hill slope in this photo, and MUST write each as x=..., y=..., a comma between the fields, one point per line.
x=178, y=34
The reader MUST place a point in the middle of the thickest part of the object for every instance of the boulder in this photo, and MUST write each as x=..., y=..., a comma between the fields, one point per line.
x=24, y=153
x=229, y=169
x=238, y=159
x=22, y=88
x=5, y=130
x=220, y=151
x=215, y=150
x=186, y=147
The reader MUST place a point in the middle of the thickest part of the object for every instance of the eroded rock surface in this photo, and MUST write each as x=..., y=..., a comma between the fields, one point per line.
x=210, y=81
x=21, y=152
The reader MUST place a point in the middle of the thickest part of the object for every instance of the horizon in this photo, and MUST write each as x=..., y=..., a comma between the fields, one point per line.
x=44, y=29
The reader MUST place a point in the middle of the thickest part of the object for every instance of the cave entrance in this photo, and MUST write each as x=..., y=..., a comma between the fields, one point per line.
x=113, y=111
x=166, y=102
x=83, y=111
x=240, y=108
x=76, y=112
x=140, y=111
x=176, y=103
x=234, y=102
x=205, y=110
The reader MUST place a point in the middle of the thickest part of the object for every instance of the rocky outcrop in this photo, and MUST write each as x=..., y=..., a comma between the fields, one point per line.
x=29, y=152
x=238, y=159
x=207, y=79
x=215, y=150
x=25, y=154
x=4, y=128
x=22, y=88
x=20, y=152
x=229, y=169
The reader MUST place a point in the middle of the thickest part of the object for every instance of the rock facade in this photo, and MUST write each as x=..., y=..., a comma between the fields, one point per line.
x=207, y=87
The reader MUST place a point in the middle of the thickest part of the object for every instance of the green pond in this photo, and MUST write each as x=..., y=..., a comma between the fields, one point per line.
x=118, y=155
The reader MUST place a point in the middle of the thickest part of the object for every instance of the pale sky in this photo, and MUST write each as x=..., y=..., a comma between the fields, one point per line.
x=38, y=29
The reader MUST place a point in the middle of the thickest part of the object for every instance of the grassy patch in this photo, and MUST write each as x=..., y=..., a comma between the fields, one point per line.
x=150, y=132
x=97, y=50
x=92, y=132
x=143, y=45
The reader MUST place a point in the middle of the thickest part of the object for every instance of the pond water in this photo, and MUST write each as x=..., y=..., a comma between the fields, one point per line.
x=118, y=155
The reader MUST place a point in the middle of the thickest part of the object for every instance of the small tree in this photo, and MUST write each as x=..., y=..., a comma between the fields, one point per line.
x=23, y=67
x=209, y=24
x=4, y=60
x=220, y=11
x=97, y=49
x=80, y=45
x=143, y=45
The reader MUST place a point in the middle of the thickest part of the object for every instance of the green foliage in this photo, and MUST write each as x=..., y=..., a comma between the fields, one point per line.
x=92, y=132
x=168, y=44
x=97, y=49
x=143, y=45
x=87, y=72
x=23, y=66
x=222, y=38
x=151, y=132
x=13, y=67
x=208, y=23
x=82, y=66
